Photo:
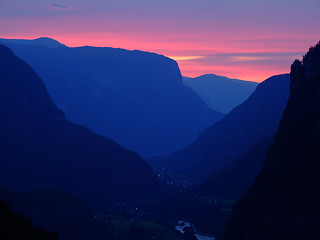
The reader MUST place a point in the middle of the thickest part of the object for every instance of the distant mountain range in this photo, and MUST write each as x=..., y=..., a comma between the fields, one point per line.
x=39, y=148
x=135, y=98
x=284, y=200
x=222, y=143
x=220, y=93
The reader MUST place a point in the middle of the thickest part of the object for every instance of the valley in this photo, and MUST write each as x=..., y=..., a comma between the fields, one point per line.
x=114, y=146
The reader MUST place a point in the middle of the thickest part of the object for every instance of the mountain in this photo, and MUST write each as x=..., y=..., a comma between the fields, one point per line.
x=224, y=142
x=221, y=93
x=56, y=211
x=16, y=227
x=234, y=180
x=135, y=98
x=43, y=41
x=284, y=200
x=39, y=148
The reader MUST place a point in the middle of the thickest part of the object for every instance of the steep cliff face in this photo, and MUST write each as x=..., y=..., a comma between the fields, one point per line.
x=39, y=148
x=284, y=202
x=135, y=98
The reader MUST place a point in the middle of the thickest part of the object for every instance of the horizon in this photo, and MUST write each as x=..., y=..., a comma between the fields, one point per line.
x=247, y=40
x=196, y=76
x=177, y=60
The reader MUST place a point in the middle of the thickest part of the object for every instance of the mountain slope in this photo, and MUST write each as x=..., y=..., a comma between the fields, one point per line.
x=284, y=201
x=135, y=98
x=234, y=180
x=224, y=142
x=39, y=148
x=56, y=211
x=220, y=93
x=14, y=227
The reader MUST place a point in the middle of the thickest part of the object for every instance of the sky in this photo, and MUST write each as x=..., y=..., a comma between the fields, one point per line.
x=244, y=39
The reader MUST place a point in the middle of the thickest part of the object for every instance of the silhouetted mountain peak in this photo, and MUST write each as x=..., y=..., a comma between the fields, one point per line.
x=48, y=42
x=284, y=201
x=217, y=77
x=304, y=74
x=42, y=41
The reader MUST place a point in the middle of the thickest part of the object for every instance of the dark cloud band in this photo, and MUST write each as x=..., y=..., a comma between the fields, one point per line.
x=57, y=5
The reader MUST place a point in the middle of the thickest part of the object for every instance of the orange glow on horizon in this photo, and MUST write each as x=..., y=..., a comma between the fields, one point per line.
x=184, y=58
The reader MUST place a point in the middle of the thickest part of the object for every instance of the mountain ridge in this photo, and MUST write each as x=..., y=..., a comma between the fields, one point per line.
x=221, y=93
x=42, y=41
x=133, y=97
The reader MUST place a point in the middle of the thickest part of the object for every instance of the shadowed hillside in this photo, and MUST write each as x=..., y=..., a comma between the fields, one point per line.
x=17, y=227
x=56, y=211
x=40, y=148
x=284, y=200
x=224, y=142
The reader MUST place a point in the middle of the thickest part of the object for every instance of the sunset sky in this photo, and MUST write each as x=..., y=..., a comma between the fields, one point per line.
x=244, y=39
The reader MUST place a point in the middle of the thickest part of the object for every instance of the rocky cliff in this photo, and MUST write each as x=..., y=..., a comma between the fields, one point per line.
x=284, y=202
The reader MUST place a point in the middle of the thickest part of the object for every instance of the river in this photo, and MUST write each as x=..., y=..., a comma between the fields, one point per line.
x=182, y=224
